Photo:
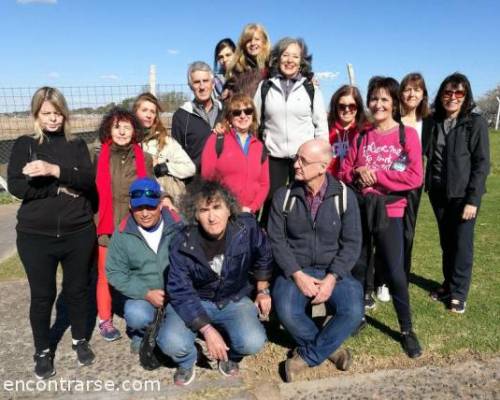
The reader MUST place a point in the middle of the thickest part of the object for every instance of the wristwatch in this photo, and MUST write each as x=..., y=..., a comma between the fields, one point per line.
x=264, y=291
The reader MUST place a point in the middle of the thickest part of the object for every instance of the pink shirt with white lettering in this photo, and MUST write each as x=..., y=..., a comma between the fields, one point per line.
x=378, y=151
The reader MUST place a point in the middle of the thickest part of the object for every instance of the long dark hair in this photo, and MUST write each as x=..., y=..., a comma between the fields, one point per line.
x=333, y=112
x=115, y=115
x=456, y=79
x=415, y=79
x=222, y=44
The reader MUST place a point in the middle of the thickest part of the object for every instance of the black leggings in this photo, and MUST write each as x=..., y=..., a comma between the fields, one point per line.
x=41, y=256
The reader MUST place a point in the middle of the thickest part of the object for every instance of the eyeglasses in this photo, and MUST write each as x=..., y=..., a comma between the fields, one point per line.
x=150, y=194
x=459, y=94
x=247, y=111
x=347, y=107
x=303, y=162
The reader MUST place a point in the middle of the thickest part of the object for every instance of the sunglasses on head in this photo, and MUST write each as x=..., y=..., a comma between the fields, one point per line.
x=347, y=107
x=458, y=93
x=237, y=113
x=151, y=194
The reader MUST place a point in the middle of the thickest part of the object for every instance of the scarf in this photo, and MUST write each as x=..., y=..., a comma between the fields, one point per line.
x=105, y=225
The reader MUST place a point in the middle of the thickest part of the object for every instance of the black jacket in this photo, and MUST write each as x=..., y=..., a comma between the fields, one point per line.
x=427, y=127
x=191, y=131
x=44, y=211
x=333, y=242
x=466, y=158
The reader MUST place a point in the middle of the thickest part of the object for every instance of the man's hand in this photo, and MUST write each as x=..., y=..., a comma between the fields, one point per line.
x=326, y=287
x=263, y=303
x=217, y=348
x=41, y=168
x=308, y=285
x=156, y=297
x=470, y=212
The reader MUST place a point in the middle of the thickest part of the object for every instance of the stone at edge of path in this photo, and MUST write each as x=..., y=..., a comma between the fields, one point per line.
x=8, y=220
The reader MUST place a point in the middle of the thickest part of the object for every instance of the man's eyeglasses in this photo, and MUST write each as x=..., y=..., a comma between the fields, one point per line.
x=303, y=162
x=347, y=107
x=459, y=94
x=247, y=111
x=151, y=194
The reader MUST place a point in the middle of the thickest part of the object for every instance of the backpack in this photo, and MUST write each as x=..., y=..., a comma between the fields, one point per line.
x=266, y=85
x=340, y=201
x=219, y=146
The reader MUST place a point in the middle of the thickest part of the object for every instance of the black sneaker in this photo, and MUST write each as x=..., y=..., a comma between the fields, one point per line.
x=440, y=294
x=410, y=344
x=184, y=376
x=84, y=353
x=369, y=301
x=229, y=368
x=44, y=364
x=457, y=306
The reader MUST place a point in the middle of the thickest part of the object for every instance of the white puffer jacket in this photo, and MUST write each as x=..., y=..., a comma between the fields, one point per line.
x=289, y=123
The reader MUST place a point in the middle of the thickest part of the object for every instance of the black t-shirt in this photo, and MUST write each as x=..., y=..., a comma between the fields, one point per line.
x=214, y=250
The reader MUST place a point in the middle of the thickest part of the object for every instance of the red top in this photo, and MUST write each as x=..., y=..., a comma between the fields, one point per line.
x=341, y=141
x=378, y=151
x=244, y=175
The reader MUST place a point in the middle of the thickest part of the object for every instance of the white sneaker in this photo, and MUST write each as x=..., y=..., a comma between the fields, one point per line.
x=383, y=294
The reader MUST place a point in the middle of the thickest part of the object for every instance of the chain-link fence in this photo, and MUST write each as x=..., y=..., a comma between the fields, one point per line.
x=87, y=106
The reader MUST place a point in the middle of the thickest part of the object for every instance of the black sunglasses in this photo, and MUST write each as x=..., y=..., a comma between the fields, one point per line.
x=151, y=194
x=247, y=111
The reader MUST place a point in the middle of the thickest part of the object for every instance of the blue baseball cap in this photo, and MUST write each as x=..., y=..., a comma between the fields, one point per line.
x=144, y=192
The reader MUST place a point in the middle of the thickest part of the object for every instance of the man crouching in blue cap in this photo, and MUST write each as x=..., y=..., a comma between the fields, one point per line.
x=138, y=256
x=219, y=260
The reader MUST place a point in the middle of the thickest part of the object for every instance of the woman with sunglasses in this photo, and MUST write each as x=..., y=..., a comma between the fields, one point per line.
x=387, y=162
x=171, y=162
x=223, y=56
x=237, y=158
x=457, y=167
x=120, y=161
x=249, y=64
x=415, y=112
x=52, y=173
x=291, y=109
x=345, y=119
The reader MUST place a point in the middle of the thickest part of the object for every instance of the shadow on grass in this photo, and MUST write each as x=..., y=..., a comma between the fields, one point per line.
x=424, y=283
x=383, y=328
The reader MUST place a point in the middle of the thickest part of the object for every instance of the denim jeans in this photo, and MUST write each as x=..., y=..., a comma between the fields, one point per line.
x=138, y=315
x=314, y=345
x=237, y=322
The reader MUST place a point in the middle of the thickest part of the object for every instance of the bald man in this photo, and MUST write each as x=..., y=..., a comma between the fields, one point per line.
x=315, y=233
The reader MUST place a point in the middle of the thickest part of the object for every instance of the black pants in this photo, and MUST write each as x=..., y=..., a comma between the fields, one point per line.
x=281, y=172
x=40, y=256
x=457, y=243
x=389, y=244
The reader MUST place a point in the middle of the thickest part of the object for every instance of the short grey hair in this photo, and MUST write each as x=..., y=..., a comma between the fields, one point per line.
x=198, y=66
x=280, y=47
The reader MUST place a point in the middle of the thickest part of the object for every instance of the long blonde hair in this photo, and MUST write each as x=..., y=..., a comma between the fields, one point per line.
x=158, y=130
x=239, y=63
x=56, y=98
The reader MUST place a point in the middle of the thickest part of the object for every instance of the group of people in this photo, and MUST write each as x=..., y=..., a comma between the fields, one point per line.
x=176, y=220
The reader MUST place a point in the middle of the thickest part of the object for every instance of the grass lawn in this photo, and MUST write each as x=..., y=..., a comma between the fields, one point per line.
x=444, y=336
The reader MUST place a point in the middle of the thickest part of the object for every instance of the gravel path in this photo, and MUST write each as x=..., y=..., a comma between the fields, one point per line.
x=476, y=378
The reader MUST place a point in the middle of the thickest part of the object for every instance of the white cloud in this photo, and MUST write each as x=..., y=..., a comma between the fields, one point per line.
x=173, y=52
x=110, y=77
x=53, y=75
x=36, y=1
x=327, y=75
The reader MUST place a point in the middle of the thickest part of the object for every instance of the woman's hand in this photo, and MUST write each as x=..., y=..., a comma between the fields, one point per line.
x=366, y=176
x=41, y=168
x=470, y=212
x=218, y=129
x=167, y=202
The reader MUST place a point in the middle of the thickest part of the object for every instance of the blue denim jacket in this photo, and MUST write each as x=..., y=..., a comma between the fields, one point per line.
x=247, y=258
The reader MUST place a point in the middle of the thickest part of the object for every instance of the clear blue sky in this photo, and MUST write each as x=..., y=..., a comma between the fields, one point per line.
x=99, y=42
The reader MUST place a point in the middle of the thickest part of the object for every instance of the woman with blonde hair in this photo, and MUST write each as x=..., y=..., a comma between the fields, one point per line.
x=236, y=157
x=52, y=173
x=249, y=64
x=171, y=162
